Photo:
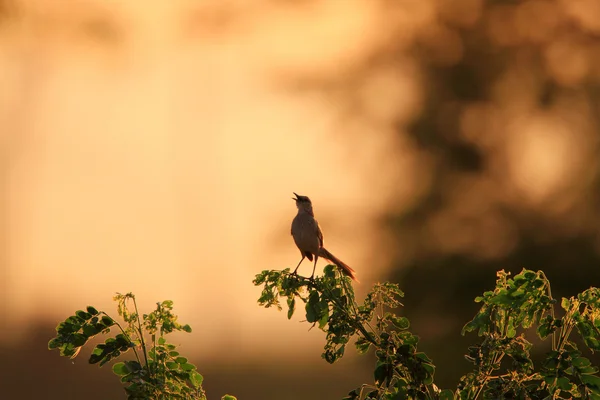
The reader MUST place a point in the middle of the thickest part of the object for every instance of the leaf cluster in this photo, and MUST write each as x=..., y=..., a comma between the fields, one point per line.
x=330, y=304
x=502, y=366
x=517, y=304
x=158, y=370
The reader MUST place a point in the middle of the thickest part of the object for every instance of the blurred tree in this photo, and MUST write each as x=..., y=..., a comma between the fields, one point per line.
x=506, y=140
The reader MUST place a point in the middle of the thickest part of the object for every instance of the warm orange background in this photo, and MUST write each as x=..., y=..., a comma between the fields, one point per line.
x=153, y=147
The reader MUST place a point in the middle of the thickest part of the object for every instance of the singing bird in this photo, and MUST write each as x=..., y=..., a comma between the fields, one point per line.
x=309, y=238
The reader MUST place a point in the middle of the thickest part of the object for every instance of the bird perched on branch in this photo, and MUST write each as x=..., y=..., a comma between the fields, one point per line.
x=309, y=238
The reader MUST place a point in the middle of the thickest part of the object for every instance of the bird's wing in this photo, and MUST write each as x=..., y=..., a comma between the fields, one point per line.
x=319, y=233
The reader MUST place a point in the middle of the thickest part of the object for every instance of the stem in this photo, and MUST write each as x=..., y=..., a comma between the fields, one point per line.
x=362, y=389
x=387, y=388
x=566, y=329
x=432, y=395
x=496, y=357
x=125, y=334
x=363, y=331
x=564, y=337
x=480, y=388
x=554, y=339
x=154, y=348
x=141, y=333
x=367, y=335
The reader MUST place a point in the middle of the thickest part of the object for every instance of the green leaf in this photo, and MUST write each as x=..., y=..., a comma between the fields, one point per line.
x=589, y=333
x=74, y=320
x=181, y=360
x=120, y=369
x=511, y=331
x=68, y=350
x=501, y=298
x=92, y=310
x=581, y=362
x=162, y=341
x=78, y=340
x=83, y=315
x=196, y=379
x=592, y=382
x=549, y=380
x=64, y=328
x=329, y=271
x=133, y=366
x=228, y=397
x=187, y=328
x=565, y=303
x=362, y=345
x=430, y=368
x=381, y=372
x=588, y=370
x=312, y=307
x=90, y=330
x=188, y=367
x=54, y=344
x=172, y=365
x=311, y=314
x=423, y=357
x=546, y=327
x=324, y=318
x=563, y=383
x=291, y=301
x=400, y=322
x=446, y=394
x=538, y=283
x=528, y=274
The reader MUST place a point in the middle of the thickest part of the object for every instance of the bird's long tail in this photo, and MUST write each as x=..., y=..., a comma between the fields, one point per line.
x=323, y=252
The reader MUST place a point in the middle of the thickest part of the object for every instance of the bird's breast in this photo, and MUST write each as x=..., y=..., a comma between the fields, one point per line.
x=304, y=231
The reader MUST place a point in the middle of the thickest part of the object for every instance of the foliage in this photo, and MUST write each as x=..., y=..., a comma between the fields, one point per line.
x=503, y=368
x=158, y=370
x=524, y=302
x=330, y=304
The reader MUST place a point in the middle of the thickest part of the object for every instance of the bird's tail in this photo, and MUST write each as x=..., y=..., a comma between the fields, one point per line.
x=323, y=252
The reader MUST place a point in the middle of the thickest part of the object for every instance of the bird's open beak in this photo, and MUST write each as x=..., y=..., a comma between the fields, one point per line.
x=295, y=194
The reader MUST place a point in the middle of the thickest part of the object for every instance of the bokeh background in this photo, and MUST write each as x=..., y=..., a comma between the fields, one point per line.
x=152, y=146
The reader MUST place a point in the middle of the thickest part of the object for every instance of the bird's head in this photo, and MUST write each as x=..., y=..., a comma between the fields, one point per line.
x=303, y=203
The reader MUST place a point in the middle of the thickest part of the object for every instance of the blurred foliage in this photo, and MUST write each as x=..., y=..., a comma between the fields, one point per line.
x=511, y=128
x=497, y=147
x=401, y=372
x=495, y=108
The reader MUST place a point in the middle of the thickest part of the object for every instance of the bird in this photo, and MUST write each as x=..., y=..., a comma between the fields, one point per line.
x=308, y=237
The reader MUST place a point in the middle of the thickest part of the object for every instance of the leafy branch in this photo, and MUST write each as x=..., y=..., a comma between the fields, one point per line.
x=330, y=304
x=503, y=368
x=523, y=302
x=158, y=371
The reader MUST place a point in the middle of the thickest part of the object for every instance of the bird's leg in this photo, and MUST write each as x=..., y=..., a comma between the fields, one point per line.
x=302, y=259
x=314, y=268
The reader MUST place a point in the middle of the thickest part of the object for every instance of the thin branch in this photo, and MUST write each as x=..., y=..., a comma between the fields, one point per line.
x=126, y=335
x=141, y=333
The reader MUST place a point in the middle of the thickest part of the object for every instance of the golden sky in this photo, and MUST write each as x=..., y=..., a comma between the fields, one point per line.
x=153, y=155
x=153, y=146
